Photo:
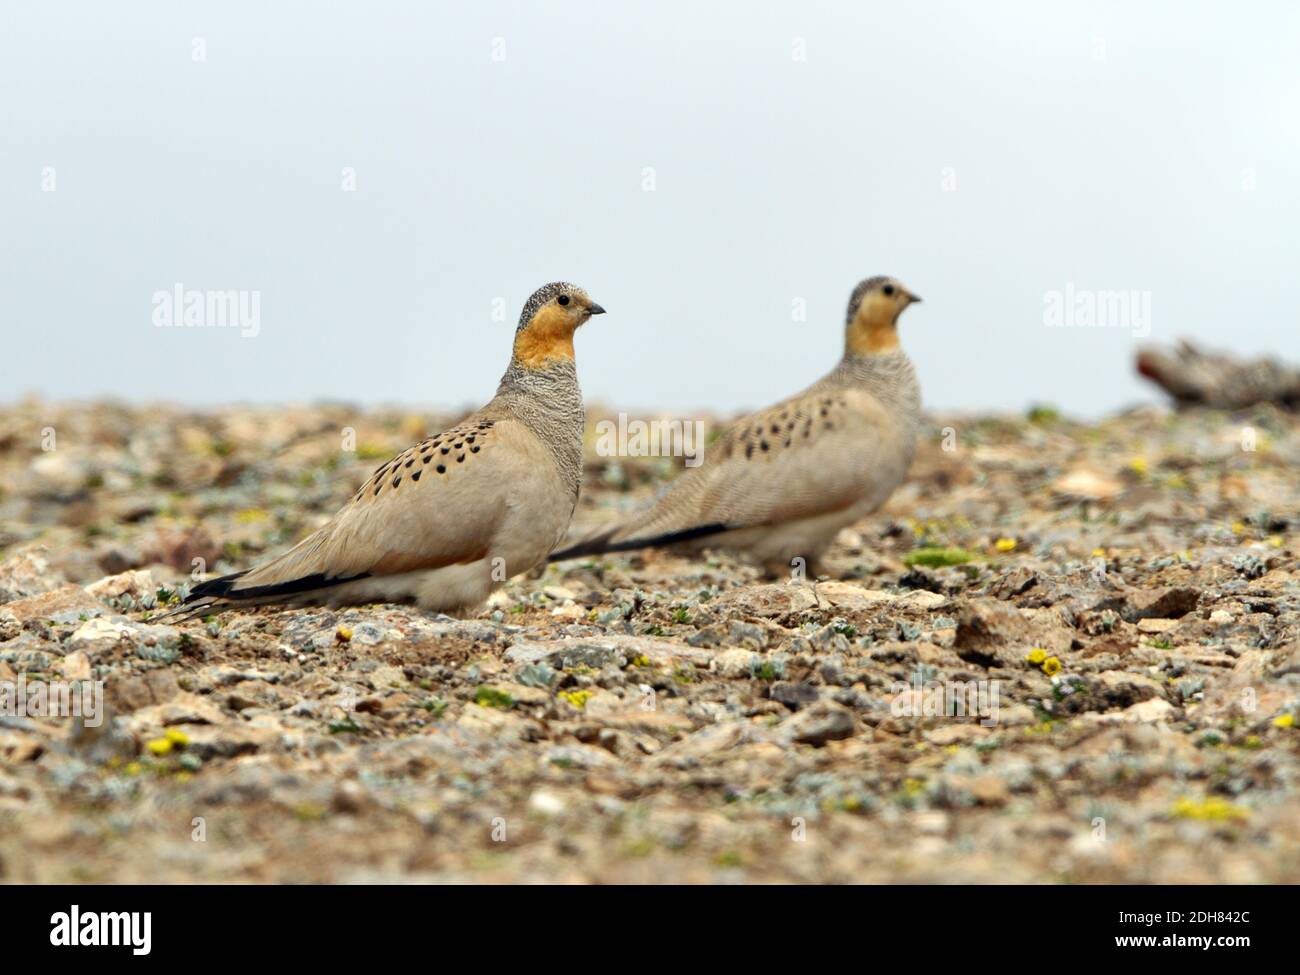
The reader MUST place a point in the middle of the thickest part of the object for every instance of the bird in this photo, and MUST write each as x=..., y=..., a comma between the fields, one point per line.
x=778, y=485
x=453, y=517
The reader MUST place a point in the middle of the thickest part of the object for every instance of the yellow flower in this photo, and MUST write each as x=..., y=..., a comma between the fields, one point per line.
x=1210, y=809
x=1036, y=656
x=133, y=768
x=1138, y=465
x=1238, y=528
x=159, y=746
x=578, y=699
x=1098, y=553
x=1275, y=541
x=1052, y=666
x=343, y=634
x=1005, y=544
x=177, y=737
x=1284, y=721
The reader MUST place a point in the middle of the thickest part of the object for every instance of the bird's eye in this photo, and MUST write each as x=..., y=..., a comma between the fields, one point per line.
x=563, y=299
x=888, y=290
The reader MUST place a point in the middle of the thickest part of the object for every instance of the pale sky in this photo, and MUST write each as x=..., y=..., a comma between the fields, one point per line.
x=986, y=154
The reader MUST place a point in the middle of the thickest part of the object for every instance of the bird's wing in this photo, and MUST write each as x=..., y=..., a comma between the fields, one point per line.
x=813, y=454
x=437, y=503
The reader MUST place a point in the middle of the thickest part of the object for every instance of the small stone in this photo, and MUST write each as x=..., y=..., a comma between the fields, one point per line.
x=734, y=663
x=955, y=734
x=66, y=603
x=27, y=574
x=794, y=696
x=546, y=803
x=1156, y=625
x=991, y=633
x=773, y=601
x=816, y=725
x=135, y=584
x=1086, y=485
x=97, y=636
x=10, y=626
x=1172, y=603
x=76, y=666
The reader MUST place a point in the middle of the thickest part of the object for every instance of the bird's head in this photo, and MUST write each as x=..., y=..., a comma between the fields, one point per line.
x=546, y=325
x=871, y=326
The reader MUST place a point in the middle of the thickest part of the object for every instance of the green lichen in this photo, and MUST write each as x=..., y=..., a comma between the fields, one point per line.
x=935, y=557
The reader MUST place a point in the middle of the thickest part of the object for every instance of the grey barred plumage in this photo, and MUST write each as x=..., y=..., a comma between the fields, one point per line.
x=549, y=402
x=865, y=285
x=541, y=296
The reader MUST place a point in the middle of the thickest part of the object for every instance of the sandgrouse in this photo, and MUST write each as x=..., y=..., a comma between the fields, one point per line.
x=448, y=520
x=778, y=485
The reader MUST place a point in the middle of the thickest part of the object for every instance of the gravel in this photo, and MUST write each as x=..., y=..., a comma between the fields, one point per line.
x=1063, y=652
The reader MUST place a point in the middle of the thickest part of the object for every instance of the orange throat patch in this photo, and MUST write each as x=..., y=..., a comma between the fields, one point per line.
x=872, y=334
x=548, y=337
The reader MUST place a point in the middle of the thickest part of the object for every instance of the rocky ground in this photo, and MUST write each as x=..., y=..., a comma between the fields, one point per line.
x=1117, y=603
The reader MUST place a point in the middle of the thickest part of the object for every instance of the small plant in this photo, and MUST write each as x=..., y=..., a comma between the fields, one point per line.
x=435, y=706
x=491, y=697
x=936, y=557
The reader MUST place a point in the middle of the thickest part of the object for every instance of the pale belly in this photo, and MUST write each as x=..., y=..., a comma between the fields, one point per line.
x=533, y=523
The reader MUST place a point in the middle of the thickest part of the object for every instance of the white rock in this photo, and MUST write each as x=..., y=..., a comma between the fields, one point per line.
x=1154, y=709
x=99, y=634
x=546, y=803
x=133, y=583
x=76, y=666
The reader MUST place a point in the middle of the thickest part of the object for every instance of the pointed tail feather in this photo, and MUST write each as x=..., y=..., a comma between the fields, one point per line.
x=222, y=593
x=602, y=543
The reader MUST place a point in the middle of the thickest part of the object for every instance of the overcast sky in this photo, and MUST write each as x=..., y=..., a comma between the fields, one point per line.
x=382, y=173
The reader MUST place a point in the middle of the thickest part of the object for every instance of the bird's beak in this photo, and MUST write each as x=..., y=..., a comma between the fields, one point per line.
x=913, y=299
x=595, y=309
